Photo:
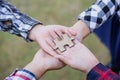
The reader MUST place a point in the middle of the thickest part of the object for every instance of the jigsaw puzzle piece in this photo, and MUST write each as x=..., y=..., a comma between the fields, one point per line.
x=65, y=41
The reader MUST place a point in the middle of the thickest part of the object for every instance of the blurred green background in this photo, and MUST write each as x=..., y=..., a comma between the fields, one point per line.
x=16, y=53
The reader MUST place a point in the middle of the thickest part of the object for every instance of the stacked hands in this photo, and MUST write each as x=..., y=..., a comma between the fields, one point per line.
x=78, y=57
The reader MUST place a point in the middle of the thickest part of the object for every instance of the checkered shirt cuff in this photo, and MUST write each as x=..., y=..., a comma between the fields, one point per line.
x=99, y=12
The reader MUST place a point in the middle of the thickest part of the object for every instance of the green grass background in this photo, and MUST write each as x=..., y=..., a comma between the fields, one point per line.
x=16, y=53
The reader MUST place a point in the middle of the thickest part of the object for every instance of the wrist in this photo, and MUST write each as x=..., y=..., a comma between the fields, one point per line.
x=37, y=70
x=34, y=31
x=90, y=66
x=82, y=29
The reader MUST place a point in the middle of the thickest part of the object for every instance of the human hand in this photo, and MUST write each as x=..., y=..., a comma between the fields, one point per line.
x=81, y=29
x=43, y=62
x=78, y=57
x=44, y=35
x=47, y=61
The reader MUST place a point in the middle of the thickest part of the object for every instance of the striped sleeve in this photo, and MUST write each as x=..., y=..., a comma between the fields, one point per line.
x=21, y=74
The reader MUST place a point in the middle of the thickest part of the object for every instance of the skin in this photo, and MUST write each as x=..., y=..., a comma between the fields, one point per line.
x=81, y=59
x=42, y=62
x=44, y=35
x=81, y=29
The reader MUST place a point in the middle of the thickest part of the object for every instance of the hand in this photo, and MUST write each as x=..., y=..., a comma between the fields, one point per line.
x=44, y=35
x=78, y=57
x=81, y=29
x=43, y=62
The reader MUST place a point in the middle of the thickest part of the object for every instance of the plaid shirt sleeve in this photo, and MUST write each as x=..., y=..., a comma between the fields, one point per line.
x=20, y=24
x=100, y=72
x=21, y=74
x=99, y=12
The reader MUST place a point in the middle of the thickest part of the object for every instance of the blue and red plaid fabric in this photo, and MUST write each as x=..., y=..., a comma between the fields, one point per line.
x=100, y=72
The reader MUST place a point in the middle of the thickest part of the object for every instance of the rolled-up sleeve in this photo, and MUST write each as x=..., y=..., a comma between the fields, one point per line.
x=99, y=12
x=20, y=23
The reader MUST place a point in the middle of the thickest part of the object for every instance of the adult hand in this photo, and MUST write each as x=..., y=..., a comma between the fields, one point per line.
x=78, y=57
x=43, y=62
x=44, y=35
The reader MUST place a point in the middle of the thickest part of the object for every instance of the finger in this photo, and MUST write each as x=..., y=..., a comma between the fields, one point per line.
x=72, y=32
x=76, y=41
x=59, y=32
x=50, y=42
x=67, y=31
x=58, y=51
x=54, y=35
x=46, y=47
x=44, y=52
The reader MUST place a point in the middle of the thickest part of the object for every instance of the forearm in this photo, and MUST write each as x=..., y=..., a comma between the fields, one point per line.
x=37, y=71
x=19, y=23
x=95, y=16
x=29, y=72
x=82, y=30
x=32, y=34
